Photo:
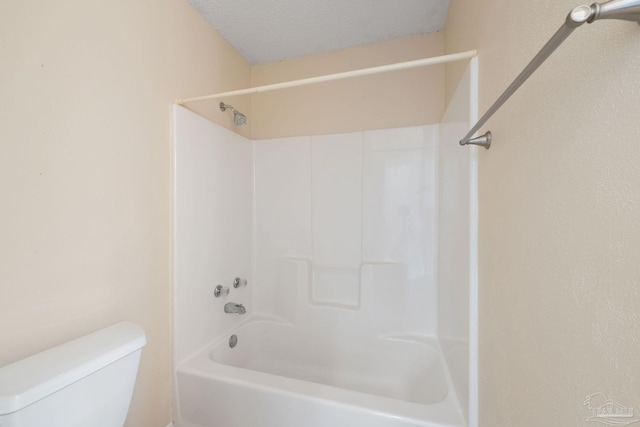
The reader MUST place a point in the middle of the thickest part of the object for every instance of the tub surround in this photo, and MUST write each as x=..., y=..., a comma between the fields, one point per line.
x=340, y=238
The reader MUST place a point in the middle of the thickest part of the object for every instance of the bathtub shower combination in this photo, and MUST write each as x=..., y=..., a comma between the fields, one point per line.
x=354, y=303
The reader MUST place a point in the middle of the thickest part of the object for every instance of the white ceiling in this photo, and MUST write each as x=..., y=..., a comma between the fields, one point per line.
x=272, y=30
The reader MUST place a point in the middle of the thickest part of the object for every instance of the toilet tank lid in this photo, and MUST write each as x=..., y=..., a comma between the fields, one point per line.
x=36, y=377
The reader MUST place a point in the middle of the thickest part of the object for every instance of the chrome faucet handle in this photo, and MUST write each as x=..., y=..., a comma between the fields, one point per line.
x=237, y=282
x=220, y=290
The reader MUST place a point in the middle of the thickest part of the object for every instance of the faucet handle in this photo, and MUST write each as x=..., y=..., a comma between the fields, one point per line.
x=220, y=290
x=237, y=282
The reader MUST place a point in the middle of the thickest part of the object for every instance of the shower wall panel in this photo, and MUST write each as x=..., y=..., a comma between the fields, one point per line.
x=400, y=216
x=336, y=219
x=212, y=227
x=283, y=214
x=456, y=188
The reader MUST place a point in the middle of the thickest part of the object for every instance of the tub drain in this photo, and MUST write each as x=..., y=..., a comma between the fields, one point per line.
x=233, y=340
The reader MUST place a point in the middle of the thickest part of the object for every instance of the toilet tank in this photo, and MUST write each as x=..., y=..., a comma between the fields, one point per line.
x=87, y=382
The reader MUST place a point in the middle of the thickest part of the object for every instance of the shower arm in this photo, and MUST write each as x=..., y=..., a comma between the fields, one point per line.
x=628, y=10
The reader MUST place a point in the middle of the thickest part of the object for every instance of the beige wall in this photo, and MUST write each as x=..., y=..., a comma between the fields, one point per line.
x=84, y=179
x=400, y=98
x=559, y=209
x=86, y=92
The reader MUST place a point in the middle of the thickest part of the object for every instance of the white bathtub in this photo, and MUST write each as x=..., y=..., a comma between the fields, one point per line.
x=278, y=375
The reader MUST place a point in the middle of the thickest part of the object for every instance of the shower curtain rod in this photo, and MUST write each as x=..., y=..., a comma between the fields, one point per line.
x=627, y=10
x=338, y=76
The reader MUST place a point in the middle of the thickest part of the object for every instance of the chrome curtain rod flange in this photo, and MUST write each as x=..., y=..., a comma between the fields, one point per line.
x=482, y=140
x=626, y=10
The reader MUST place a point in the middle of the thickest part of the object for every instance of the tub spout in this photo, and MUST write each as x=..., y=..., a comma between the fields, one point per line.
x=232, y=307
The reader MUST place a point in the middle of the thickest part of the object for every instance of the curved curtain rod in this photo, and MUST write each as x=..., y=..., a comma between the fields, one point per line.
x=338, y=76
x=627, y=10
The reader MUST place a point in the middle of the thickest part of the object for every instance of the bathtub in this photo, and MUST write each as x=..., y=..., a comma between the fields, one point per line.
x=280, y=375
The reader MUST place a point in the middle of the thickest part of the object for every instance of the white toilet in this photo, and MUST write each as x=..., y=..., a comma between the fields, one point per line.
x=87, y=382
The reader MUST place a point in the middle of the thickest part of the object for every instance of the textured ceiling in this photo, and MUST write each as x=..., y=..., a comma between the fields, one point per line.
x=272, y=30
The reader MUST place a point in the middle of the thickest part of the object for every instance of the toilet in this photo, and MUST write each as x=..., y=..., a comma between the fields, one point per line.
x=87, y=382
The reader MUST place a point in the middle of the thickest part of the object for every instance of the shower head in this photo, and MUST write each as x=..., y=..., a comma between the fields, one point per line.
x=238, y=118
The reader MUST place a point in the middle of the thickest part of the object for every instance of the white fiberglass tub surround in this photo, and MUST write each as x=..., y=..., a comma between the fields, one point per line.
x=358, y=250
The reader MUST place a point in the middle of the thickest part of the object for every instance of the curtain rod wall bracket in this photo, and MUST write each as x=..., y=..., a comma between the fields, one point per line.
x=481, y=141
x=626, y=10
